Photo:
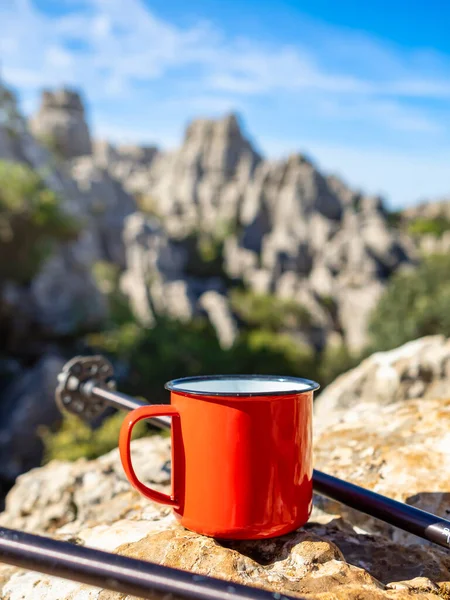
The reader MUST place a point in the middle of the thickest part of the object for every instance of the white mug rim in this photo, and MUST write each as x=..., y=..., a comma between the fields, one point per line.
x=245, y=385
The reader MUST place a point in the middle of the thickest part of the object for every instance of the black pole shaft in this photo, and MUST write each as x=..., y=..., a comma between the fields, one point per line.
x=114, y=399
x=115, y=572
x=121, y=401
x=410, y=519
x=403, y=516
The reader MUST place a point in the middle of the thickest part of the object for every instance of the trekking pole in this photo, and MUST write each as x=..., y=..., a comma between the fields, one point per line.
x=87, y=386
x=116, y=572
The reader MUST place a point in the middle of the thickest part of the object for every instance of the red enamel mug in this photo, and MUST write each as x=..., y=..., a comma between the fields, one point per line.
x=241, y=454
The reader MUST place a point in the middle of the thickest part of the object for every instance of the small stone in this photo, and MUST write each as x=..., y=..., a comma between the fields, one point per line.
x=418, y=584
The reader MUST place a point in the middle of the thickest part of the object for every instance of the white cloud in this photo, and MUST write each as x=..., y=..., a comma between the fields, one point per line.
x=421, y=88
x=122, y=45
x=57, y=57
x=250, y=70
x=111, y=48
x=396, y=115
x=126, y=42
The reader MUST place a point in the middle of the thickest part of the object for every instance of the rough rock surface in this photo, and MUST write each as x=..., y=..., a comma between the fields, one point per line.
x=399, y=449
x=418, y=369
x=106, y=205
x=128, y=164
x=160, y=279
x=60, y=123
x=217, y=308
x=202, y=182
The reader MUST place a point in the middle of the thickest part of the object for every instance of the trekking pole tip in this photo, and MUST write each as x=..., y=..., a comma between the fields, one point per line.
x=75, y=383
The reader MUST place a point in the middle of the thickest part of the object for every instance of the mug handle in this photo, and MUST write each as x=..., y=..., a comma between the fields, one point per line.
x=146, y=412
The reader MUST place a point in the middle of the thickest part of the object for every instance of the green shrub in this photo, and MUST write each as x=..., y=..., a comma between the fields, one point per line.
x=329, y=303
x=205, y=254
x=10, y=118
x=268, y=353
x=269, y=312
x=53, y=145
x=154, y=355
x=415, y=303
x=435, y=227
x=76, y=439
x=31, y=222
x=106, y=276
x=206, y=250
x=394, y=218
x=209, y=249
x=173, y=349
x=147, y=204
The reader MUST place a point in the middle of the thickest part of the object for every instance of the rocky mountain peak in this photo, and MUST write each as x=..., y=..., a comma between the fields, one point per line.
x=143, y=154
x=217, y=145
x=60, y=123
x=296, y=159
x=227, y=126
x=63, y=99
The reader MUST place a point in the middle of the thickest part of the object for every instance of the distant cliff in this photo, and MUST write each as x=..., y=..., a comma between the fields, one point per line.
x=287, y=229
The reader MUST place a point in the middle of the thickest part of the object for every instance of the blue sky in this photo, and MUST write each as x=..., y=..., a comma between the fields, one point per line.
x=362, y=88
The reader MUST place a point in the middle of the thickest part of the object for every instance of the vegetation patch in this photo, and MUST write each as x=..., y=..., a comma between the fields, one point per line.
x=435, y=227
x=268, y=311
x=32, y=221
x=76, y=439
x=416, y=303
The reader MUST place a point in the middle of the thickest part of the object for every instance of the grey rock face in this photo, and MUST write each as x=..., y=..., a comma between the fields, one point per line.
x=158, y=282
x=106, y=205
x=336, y=245
x=61, y=123
x=218, y=310
x=287, y=229
x=128, y=164
x=202, y=182
x=418, y=369
x=66, y=301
